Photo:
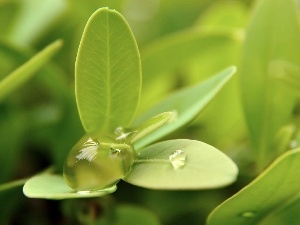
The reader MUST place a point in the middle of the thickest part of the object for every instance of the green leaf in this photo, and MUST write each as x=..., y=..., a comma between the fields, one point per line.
x=33, y=18
x=108, y=73
x=185, y=104
x=266, y=103
x=182, y=164
x=269, y=195
x=178, y=48
x=27, y=70
x=51, y=186
x=151, y=125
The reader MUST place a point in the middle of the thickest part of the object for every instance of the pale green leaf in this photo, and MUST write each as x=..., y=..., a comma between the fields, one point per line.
x=266, y=103
x=271, y=194
x=195, y=165
x=108, y=73
x=22, y=74
x=51, y=186
x=185, y=104
x=151, y=125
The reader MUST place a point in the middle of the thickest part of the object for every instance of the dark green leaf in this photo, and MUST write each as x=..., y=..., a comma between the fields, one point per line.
x=267, y=197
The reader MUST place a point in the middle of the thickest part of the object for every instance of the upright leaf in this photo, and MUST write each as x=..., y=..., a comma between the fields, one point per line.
x=273, y=193
x=108, y=72
x=185, y=104
x=273, y=34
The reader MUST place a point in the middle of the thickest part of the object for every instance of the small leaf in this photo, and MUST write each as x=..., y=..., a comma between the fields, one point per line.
x=108, y=73
x=274, y=190
x=185, y=104
x=182, y=164
x=51, y=186
x=27, y=70
x=151, y=125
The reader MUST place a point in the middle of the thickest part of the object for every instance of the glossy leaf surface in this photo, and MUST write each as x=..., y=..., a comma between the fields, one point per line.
x=185, y=105
x=108, y=73
x=51, y=186
x=269, y=196
x=182, y=164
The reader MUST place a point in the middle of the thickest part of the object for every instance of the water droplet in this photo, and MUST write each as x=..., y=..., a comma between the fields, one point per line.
x=177, y=159
x=294, y=144
x=97, y=161
x=115, y=152
x=119, y=131
x=248, y=214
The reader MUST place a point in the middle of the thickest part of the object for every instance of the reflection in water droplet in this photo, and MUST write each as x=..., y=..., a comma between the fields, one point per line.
x=115, y=152
x=178, y=159
x=89, y=150
x=248, y=214
x=98, y=161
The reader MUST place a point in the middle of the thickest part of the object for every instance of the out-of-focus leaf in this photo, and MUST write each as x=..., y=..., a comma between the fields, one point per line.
x=270, y=196
x=266, y=103
x=287, y=73
x=185, y=104
x=27, y=70
x=51, y=186
x=33, y=18
x=108, y=73
x=182, y=164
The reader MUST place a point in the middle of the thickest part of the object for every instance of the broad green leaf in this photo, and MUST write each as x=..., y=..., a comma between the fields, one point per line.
x=108, y=73
x=266, y=103
x=151, y=125
x=268, y=196
x=185, y=104
x=178, y=48
x=27, y=70
x=51, y=186
x=182, y=164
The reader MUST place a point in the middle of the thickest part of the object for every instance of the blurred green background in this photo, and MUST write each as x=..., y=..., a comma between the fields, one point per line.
x=39, y=122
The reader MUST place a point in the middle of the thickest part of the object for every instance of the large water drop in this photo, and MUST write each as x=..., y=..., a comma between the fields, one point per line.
x=97, y=161
x=178, y=158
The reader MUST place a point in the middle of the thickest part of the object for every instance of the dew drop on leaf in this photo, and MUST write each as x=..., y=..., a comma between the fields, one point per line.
x=177, y=158
x=248, y=214
x=98, y=161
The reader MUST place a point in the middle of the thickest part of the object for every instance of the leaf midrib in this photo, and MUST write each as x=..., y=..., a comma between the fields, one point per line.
x=108, y=99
